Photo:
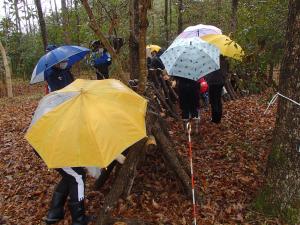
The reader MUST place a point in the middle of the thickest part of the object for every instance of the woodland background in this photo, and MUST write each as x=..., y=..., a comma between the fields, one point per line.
x=249, y=175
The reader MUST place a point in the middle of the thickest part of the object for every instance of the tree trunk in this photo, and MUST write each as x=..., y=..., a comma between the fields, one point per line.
x=29, y=16
x=7, y=71
x=270, y=74
x=56, y=12
x=95, y=27
x=234, y=8
x=170, y=16
x=180, y=22
x=26, y=16
x=42, y=23
x=144, y=5
x=6, y=10
x=18, y=21
x=64, y=10
x=134, y=39
x=283, y=164
x=122, y=182
x=77, y=21
x=125, y=177
x=166, y=21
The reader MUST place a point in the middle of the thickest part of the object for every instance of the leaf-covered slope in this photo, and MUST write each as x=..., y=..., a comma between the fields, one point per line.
x=229, y=164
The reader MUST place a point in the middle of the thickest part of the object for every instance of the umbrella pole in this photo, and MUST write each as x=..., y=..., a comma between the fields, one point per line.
x=189, y=130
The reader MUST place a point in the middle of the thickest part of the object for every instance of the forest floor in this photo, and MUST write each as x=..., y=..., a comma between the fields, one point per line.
x=229, y=165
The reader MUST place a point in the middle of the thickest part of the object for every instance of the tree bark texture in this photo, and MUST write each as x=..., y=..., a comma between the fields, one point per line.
x=7, y=71
x=283, y=164
x=170, y=17
x=42, y=23
x=64, y=10
x=166, y=21
x=144, y=5
x=134, y=39
x=179, y=20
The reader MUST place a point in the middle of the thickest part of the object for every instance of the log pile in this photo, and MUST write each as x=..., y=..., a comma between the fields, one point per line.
x=161, y=99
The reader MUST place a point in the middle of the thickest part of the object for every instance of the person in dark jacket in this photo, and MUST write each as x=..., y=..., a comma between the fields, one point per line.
x=216, y=81
x=58, y=76
x=100, y=60
x=72, y=183
x=155, y=66
x=188, y=93
x=50, y=48
x=156, y=62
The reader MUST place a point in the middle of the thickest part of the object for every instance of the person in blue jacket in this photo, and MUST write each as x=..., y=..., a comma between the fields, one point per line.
x=100, y=60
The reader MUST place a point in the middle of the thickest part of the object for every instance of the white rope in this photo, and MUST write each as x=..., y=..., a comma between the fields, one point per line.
x=274, y=99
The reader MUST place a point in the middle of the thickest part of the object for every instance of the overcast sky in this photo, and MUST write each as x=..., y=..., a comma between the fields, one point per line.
x=45, y=6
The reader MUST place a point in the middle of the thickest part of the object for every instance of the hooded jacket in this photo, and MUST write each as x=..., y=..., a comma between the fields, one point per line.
x=58, y=78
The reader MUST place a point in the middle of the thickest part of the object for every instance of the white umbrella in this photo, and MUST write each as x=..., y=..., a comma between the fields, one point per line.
x=191, y=58
x=199, y=31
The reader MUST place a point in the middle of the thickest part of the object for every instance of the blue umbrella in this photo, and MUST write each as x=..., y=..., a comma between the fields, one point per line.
x=71, y=53
x=191, y=58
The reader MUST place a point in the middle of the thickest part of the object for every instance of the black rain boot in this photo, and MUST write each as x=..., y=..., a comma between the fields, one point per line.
x=184, y=124
x=196, y=124
x=56, y=211
x=78, y=213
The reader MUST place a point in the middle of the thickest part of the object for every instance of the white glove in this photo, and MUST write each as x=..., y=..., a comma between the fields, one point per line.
x=121, y=158
x=94, y=171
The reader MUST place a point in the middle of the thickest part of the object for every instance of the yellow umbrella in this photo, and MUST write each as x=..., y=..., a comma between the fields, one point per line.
x=227, y=46
x=153, y=47
x=87, y=123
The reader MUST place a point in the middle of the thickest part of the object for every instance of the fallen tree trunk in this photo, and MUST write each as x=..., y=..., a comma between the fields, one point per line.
x=122, y=221
x=7, y=71
x=123, y=181
x=125, y=177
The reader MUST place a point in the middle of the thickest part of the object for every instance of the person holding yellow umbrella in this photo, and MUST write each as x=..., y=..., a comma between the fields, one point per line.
x=153, y=48
x=75, y=127
x=216, y=79
x=227, y=46
x=153, y=53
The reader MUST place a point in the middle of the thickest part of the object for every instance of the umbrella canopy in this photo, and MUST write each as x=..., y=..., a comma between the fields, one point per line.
x=191, y=58
x=69, y=52
x=87, y=123
x=227, y=46
x=153, y=47
x=199, y=31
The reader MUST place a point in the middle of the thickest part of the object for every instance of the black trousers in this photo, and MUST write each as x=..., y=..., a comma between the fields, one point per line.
x=188, y=92
x=215, y=94
x=101, y=76
x=72, y=182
